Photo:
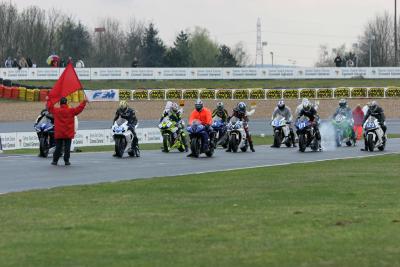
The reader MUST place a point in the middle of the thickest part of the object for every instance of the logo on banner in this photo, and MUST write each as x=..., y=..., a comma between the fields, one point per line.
x=109, y=95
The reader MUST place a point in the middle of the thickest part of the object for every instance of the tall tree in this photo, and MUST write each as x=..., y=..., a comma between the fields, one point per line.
x=239, y=52
x=204, y=51
x=225, y=57
x=180, y=55
x=152, y=49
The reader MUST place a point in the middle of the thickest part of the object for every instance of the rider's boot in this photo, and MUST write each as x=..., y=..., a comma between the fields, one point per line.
x=252, y=146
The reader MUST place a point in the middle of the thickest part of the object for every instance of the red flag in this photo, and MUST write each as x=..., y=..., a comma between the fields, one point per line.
x=66, y=84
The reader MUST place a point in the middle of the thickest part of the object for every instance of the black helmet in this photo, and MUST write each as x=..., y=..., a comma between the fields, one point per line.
x=220, y=106
x=198, y=105
x=63, y=101
x=281, y=104
x=342, y=103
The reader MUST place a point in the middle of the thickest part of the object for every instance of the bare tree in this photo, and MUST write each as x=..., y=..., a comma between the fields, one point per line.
x=8, y=22
x=133, y=41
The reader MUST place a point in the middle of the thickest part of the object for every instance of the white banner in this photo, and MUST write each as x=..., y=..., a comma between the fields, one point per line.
x=102, y=95
x=101, y=137
x=203, y=73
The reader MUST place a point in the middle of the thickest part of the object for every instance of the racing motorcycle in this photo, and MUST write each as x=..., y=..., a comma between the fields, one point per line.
x=281, y=132
x=45, y=131
x=306, y=134
x=172, y=136
x=373, y=134
x=195, y=132
x=344, y=130
x=237, y=135
x=221, y=138
x=123, y=138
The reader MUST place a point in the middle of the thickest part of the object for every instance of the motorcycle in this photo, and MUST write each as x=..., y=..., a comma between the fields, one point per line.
x=306, y=134
x=373, y=134
x=281, y=132
x=221, y=138
x=45, y=131
x=344, y=130
x=195, y=133
x=123, y=138
x=172, y=136
x=237, y=136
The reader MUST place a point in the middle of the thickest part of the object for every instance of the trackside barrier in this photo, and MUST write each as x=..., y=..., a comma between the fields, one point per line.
x=100, y=137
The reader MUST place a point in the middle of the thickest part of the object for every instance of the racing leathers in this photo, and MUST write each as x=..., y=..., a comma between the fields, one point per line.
x=205, y=118
x=223, y=114
x=380, y=115
x=287, y=114
x=129, y=115
x=244, y=117
x=312, y=115
x=176, y=117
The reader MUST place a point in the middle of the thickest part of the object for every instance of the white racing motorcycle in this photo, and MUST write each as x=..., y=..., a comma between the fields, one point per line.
x=281, y=132
x=123, y=138
x=373, y=134
x=236, y=135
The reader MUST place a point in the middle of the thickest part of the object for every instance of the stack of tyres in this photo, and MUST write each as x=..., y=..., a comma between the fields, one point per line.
x=43, y=94
x=7, y=92
x=1, y=91
x=36, y=94
x=22, y=93
x=30, y=95
x=14, y=92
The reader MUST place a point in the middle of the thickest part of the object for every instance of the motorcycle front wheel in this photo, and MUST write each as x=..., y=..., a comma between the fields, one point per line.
x=165, y=143
x=44, y=147
x=302, y=143
x=120, y=145
x=370, y=142
x=195, y=147
x=277, y=138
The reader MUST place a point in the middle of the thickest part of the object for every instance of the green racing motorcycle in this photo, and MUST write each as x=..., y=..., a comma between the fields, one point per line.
x=173, y=137
x=343, y=130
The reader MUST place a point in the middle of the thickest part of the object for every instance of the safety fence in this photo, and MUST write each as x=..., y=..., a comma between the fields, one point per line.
x=99, y=137
x=30, y=95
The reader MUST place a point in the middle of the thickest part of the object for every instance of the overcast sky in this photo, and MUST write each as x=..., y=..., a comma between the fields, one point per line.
x=294, y=29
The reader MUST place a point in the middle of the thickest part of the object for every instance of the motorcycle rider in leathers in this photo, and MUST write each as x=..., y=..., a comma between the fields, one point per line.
x=174, y=113
x=284, y=111
x=377, y=112
x=127, y=113
x=311, y=113
x=240, y=112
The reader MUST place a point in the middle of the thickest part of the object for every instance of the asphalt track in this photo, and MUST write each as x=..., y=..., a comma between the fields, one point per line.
x=27, y=172
x=257, y=127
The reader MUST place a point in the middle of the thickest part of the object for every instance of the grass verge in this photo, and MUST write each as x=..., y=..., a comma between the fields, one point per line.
x=135, y=84
x=334, y=213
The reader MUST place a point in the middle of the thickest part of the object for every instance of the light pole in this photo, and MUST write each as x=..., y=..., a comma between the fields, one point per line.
x=370, y=39
x=262, y=55
x=272, y=58
x=355, y=48
x=395, y=33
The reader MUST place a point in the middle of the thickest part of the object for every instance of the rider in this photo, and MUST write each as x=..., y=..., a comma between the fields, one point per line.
x=203, y=115
x=377, y=112
x=174, y=113
x=346, y=111
x=220, y=112
x=127, y=113
x=311, y=113
x=45, y=113
x=240, y=112
x=285, y=112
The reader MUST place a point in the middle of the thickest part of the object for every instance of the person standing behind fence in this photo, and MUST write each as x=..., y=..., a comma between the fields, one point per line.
x=64, y=127
x=358, y=116
x=338, y=61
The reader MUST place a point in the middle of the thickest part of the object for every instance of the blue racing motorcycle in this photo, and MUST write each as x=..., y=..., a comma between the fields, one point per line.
x=221, y=137
x=45, y=131
x=196, y=132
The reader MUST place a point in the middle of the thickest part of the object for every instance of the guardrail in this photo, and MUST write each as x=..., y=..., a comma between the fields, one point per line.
x=267, y=73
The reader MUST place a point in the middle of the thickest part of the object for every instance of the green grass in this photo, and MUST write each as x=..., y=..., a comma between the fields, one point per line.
x=134, y=84
x=333, y=213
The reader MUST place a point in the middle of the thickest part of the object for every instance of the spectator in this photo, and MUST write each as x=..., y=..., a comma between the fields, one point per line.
x=69, y=60
x=338, y=61
x=358, y=116
x=15, y=64
x=350, y=63
x=135, y=63
x=8, y=63
x=29, y=62
x=64, y=127
x=23, y=63
x=80, y=64
x=365, y=108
